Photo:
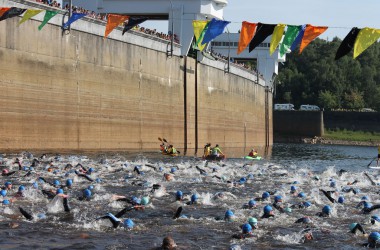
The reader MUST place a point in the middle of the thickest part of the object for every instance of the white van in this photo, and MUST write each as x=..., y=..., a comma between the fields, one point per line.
x=286, y=106
x=308, y=107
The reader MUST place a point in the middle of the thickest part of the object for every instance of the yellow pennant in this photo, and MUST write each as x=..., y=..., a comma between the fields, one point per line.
x=199, y=26
x=29, y=14
x=366, y=37
x=276, y=37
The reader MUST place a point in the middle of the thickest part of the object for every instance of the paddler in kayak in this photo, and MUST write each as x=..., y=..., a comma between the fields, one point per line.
x=216, y=153
x=207, y=150
x=172, y=150
x=253, y=153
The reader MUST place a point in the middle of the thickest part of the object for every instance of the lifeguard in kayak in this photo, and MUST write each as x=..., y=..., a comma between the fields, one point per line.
x=216, y=154
x=172, y=151
x=253, y=155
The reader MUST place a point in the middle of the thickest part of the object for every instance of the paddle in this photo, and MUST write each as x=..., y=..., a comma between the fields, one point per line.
x=371, y=162
x=370, y=179
x=168, y=143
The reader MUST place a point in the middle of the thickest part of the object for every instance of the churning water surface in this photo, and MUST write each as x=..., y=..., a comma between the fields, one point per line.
x=218, y=187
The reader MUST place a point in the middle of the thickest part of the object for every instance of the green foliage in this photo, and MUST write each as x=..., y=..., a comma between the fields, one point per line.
x=348, y=135
x=314, y=77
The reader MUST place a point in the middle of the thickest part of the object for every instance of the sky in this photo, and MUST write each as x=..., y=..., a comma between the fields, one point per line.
x=339, y=15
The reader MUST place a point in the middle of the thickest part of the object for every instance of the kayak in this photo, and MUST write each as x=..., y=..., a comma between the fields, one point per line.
x=252, y=158
x=214, y=158
x=375, y=167
x=165, y=153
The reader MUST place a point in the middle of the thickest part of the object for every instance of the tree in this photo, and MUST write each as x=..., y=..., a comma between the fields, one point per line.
x=353, y=100
x=327, y=100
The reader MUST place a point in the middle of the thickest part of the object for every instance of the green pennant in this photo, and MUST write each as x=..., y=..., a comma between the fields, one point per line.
x=48, y=15
x=290, y=36
x=202, y=35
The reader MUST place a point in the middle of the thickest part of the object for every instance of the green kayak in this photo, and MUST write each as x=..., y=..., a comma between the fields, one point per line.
x=252, y=158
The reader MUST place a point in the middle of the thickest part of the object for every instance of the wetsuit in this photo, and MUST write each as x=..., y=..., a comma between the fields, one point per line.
x=242, y=236
x=356, y=228
x=278, y=206
x=328, y=195
x=268, y=215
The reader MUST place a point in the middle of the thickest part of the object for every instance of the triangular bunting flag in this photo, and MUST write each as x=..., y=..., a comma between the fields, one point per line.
x=347, y=43
x=112, y=22
x=29, y=14
x=246, y=34
x=290, y=36
x=73, y=18
x=298, y=38
x=311, y=32
x=199, y=26
x=366, y=37
x=215, y=28
x=12, y=12
x=48, y=15
x=132, y=22
x=262, y=32
x=3, y=10
x=276, y=37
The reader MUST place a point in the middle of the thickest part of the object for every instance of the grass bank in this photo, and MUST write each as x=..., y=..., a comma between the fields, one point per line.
x=348, y=135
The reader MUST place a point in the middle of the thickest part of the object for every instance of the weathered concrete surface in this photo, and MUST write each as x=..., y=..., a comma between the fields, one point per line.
x=83, y=92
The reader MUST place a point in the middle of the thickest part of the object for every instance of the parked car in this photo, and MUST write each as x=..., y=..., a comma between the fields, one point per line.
x=285, y=106
x=367, y=110
x=308, y=107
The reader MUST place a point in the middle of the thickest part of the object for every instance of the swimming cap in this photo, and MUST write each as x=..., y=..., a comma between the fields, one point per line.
x=376, y=218
x=69, y=182
x=316, y=177
x=179, y=194
x=41, y=216
x=59, y=191
x=250, y=176
x=5, y=171
x=26, y=168
x=293, y=188
x=367, y=204
x=252, y=220
x=35, y=184
x=356, y=190
x=326, y=209
x=352, y=226
x=136, y=200
x=302, y=195
x=98, y=180
x=173, y=169
x=144, y=200
x=251, y=203
x=242, y=180
x=6, y=202
x=87, y=193
x=278, y=198
x=246, y=228
x=365, y=198
x=234, y=247
x=56, y=182
x=341, y=199
x=90, y=170
x=375, y=236
x=160, y=169
x=267, y=209
x=228, y=214
x=21, y=188
x=265, y=195
x=8, y=183
x=194, y=197
x=288, y=210
x=296, y=182
x=307, y=204
x=333, y=184
x=128, y=223
x=31, y=168
x=306, y=220
x=3, y=192
x=91, y=187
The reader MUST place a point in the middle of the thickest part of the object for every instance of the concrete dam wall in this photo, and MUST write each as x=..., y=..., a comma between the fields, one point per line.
x=79, y=92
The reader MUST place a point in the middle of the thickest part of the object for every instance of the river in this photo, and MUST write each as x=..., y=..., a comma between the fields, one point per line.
x=218, y=189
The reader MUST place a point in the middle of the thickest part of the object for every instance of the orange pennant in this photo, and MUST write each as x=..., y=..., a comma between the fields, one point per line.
x=3, y=10
x=113, y=21
x=311, y=32
x=246, y=34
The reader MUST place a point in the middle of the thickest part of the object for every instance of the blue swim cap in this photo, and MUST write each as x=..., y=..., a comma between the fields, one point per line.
x=341, y=199
x=3, y=192
x=365, y=198
x=251, y=203
x=31, y=168
x=59, y=191
x=179, y=194
x=306, y=220
x=90, y=170
x=242, y=180
x=56, y=182
x=91, y=187
x=246, y=228
x=375, y=236
x=69, y=182
x=307, y=204
x=228, y=214
x=326, y=209
x=21, y=188
x=6, y=202
x=250, y=176
x=267, y=209
x=293, y=188
x=41, y=216
x=98, y=180
x=376, y=218
x=194, y=197
x=7, y=183
x=278, y=198
x=160, y=169
x=333, y=184
x=128, y=223
x=302, y=195
x=296, y=182
x=136, y=200
x=265, y=195
x=35, y=184
x=26, y=168
x=352, y=226
x=144, y=200
x=367, y=204
x=173, y=169
x=87, y=193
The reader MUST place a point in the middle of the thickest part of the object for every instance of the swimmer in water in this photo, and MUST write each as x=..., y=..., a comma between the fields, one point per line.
x=246, y=232
x=301, y=205
x=6, y=172
x=229, y=216
x=326, y=211
x=373, y=240
x=250, y=205
x=193, y=200
x=354, y=227
x=264, y=197
x=328, y=195
x=116, y=221
x=268, y=212
x=277, y=204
